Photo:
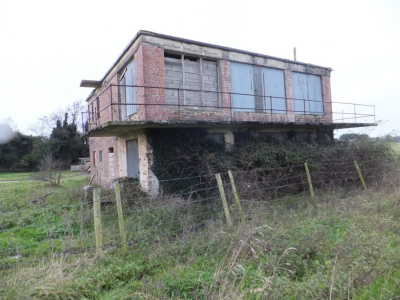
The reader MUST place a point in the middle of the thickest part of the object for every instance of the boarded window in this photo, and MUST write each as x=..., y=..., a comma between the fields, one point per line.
x=128, y=91
x=258, y=89
x=274, y=90
x=242, y=87
x=307, y=94
x=190, y=81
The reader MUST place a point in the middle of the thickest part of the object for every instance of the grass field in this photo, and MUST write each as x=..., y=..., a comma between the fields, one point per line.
x=347, y=248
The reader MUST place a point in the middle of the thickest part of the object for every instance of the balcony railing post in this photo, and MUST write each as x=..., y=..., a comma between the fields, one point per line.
x=270, y=103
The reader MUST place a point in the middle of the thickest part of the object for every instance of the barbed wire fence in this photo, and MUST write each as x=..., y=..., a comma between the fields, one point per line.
x=34, y=229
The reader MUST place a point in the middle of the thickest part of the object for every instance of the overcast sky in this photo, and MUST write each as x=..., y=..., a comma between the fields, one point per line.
x=48, y=47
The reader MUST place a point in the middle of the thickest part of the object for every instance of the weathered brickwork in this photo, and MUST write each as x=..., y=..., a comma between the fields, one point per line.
x=327, y=97
x=106, y=168
x=104, y=106
x=147, y=179
x=289, y=95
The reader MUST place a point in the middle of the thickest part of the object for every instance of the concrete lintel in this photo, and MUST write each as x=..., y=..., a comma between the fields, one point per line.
x=121, y=128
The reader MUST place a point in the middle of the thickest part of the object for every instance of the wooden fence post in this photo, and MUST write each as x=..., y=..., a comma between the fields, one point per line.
x=120, y=217
x=310, y=185
x=236, y=195
x=223, y=198
x=360, y=175
x=97, y=221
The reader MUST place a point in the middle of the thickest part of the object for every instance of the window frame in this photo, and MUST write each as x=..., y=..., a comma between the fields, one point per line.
x=181, y=57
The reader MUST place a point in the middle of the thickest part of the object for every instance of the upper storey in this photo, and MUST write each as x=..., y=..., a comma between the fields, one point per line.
x=161, y=80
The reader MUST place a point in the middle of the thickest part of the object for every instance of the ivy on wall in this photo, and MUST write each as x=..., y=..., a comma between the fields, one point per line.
x=187, y=153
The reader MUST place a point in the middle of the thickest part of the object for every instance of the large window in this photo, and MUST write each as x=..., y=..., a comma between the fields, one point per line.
x=127, y=92
x=257, y=89
x=307, y=94
x=191, y=81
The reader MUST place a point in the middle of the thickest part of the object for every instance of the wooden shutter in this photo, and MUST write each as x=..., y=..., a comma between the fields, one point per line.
x=315, y=93
x=307, y=87
x=130, y=96
x=300, y=93
x=242, y=83
x=274, y=90
x=210, y=83
x=173, y=79
x=122, y=93
x=192, y=82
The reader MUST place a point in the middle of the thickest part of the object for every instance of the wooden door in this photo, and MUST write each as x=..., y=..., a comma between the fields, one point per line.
x=132, y=158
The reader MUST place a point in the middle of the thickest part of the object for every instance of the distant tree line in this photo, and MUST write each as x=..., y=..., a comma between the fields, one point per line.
x=359, y=136
x=63, y=140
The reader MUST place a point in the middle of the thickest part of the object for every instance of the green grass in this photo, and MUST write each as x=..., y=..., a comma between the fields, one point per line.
x=32, y=230
x=13, y=176
x=347, y=248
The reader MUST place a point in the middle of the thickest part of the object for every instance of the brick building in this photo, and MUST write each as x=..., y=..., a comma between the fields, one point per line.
x=168, y=82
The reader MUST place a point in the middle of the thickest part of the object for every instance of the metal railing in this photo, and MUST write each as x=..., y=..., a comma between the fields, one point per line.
x=148, y=103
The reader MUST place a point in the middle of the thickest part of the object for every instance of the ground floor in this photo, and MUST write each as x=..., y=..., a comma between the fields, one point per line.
x=130, y=155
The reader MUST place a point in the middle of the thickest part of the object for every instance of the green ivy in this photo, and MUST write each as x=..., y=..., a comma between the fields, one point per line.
x=187, y=153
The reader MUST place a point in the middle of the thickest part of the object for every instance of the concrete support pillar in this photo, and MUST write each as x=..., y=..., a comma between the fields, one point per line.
x=229, y=140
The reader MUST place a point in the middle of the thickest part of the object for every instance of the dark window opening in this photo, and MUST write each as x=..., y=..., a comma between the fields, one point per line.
x=191, y=58
x=111, y=150
x=94, y=158
x=172, y=55
x=217, y=137
x=303, y=136
x=100, y=155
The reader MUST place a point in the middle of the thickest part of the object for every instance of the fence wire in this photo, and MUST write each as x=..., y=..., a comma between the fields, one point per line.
x=62, y=223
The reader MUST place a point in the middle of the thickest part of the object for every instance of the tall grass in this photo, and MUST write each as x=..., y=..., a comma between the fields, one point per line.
x=347, y=248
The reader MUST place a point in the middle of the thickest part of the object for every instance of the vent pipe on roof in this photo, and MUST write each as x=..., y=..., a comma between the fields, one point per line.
x=294, y=53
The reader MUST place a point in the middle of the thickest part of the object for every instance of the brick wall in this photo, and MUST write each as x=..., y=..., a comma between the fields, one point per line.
x=104, y=104
x=149, y=63
x=148, y=181
x=327, y=97
x=149, y=68
x=107, y=169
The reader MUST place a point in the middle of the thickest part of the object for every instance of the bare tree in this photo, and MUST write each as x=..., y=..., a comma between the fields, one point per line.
x=45, y=124
x=49, y=169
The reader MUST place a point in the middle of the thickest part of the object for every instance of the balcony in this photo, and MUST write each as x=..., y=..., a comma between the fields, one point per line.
x=119, y=109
